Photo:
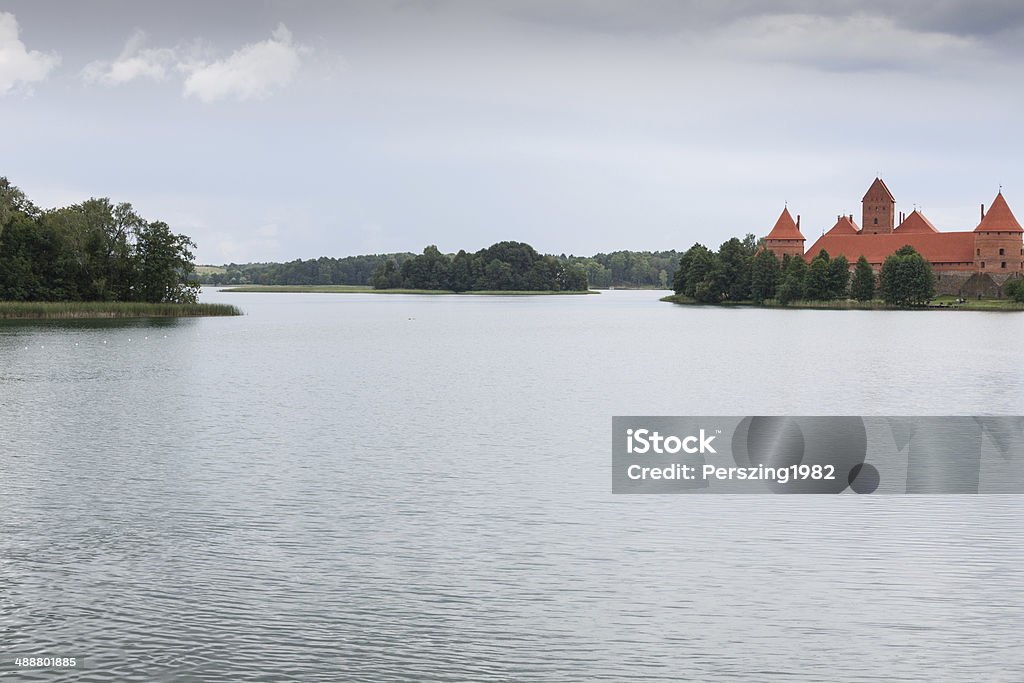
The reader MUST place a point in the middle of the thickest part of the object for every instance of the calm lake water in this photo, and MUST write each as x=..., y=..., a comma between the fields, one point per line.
x=340, y=487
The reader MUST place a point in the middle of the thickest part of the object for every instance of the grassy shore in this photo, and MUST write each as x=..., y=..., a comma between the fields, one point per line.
x=361, y=289
x=939, y=303
x=62, y=310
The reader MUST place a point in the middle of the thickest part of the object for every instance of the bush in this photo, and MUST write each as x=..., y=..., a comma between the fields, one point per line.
x=1014, y=289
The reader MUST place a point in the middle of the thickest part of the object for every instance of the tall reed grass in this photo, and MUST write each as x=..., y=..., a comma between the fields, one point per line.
x=58, y=310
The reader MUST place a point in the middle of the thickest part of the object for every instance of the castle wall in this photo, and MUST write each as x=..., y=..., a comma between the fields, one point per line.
x=973, y=284
x=782, y=248
x=987, y=258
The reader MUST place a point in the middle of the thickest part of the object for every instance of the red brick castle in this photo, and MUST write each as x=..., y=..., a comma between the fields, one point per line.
x=966, y=263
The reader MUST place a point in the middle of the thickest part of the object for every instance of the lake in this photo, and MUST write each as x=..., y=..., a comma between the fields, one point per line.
x=363, y=486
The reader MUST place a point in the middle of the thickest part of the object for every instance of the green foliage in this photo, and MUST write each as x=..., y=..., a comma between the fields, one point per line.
x=618, y=269
x=734, y=258
x=165, y=265
x=350, y=270
x=791, y=289
x=764, y=276
x=817, y=284
x=702, y=275
x=48, y=310
x=679, y=280
x=628, y=268
x=826, y=279
x=839, y=277
x=505, y=266
x=386, y=277
x=906, y=279
x=792, y=279
x=863, y=286
x=1014, y=289
x=93, y=251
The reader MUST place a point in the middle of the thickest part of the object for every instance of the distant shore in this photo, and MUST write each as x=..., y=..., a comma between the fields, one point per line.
x=938, y=304
x=64, y=310
x=360, y=289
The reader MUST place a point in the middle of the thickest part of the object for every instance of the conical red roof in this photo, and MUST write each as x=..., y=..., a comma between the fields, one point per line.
x=879, y=185
x=785, y=228
x=999, y=218
x=844, y=226
x=915, y=223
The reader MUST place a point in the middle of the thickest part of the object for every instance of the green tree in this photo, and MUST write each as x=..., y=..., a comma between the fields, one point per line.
x=734, y=259
x=1014, y=289
x=462, y=272
x=817, y=285
x=794, y=270
x=680, y=279
x=429, y=270
x=839, y=277
x=764, y=276
x=863, y=286
x=791, y=289
x=387, y=276
x=703, y=273
x=906, y=279
x=165, y=266
x=498, y=275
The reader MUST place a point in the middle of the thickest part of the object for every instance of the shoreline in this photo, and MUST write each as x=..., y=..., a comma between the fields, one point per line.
x=944, y=303
x=360, y=289
x=84, y=310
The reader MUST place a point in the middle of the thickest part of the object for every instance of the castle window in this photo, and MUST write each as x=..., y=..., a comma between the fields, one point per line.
x=876, y=221
x=1003, y=264
x=979, y=252
x=982, y=264
x=1002, y=252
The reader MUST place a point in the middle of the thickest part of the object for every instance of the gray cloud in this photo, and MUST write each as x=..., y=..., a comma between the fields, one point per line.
x=577, y=126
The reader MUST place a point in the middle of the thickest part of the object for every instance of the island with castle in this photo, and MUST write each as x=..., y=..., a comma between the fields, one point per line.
x=969, y=263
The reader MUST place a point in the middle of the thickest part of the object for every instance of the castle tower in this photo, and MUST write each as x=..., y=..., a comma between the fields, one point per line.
x=879, y=209
x=999, y=240
x=785, y=237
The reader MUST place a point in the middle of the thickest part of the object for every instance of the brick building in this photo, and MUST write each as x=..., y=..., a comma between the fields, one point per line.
x=966, y=263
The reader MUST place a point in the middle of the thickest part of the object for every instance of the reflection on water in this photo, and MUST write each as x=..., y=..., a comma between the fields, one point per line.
x=365, y=486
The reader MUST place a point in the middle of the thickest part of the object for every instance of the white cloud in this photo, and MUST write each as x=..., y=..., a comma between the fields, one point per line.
x=135, y=61
x=251, y=72
x=17, y=64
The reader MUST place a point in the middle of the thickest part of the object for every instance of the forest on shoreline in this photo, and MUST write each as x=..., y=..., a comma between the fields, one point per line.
x=95, y=251
x=742, y=271
x=505, y=266
x=621, y=269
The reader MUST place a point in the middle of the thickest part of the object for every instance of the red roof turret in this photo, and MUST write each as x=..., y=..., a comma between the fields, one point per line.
x=879, y=185
x=785, y=228
x=999, y=218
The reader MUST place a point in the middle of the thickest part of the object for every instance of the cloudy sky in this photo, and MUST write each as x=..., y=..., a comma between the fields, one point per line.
x=287, y=129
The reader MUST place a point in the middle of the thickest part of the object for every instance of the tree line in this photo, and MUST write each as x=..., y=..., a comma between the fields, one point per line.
x=742, y=270
x=653, y=269
x=350, y=270
x=505, y=266
x=92, y=251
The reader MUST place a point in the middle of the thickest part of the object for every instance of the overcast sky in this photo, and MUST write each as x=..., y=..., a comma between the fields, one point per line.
x=288, y=129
